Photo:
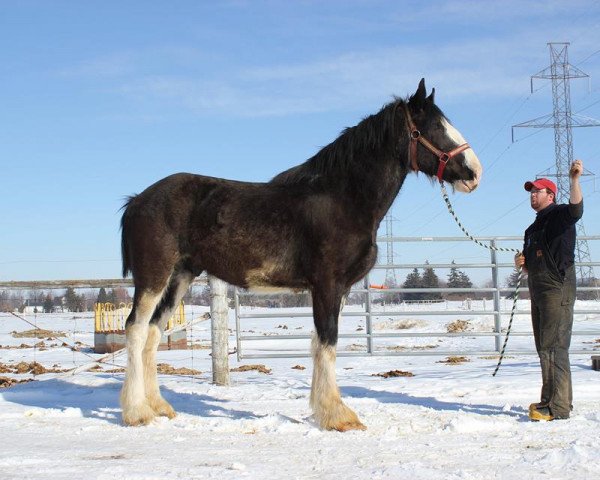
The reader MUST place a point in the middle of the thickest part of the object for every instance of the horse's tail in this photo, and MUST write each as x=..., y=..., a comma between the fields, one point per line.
x=124, y=236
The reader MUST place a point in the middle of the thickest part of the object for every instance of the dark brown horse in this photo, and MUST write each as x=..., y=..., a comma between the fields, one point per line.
x=311, y=227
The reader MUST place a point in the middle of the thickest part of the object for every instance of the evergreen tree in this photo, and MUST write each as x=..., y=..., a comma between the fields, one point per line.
x=511, y=282
x=102, y=296
x=457, y=278
x=453, y=276
x=73, y=302
x=430, y=280
x=465, y=281
x=413, y=280
x=48, y=303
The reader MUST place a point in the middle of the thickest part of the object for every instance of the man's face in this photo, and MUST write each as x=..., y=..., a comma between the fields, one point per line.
x=540, y=199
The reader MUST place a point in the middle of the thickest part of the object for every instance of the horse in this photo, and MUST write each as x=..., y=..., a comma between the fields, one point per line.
x=312, y=227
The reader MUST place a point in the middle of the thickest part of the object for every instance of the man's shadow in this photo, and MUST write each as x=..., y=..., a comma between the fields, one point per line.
x=383, y=396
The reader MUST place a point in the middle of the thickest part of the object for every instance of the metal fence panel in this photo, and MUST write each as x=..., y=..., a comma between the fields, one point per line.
x=368, y=312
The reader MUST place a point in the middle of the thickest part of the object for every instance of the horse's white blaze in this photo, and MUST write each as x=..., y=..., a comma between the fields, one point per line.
x=133, y=394
x=471, y=160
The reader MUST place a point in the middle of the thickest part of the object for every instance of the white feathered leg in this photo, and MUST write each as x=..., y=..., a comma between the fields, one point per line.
x=136, y=410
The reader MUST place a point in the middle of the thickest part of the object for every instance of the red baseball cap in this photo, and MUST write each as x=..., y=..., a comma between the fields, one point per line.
x=540, y=184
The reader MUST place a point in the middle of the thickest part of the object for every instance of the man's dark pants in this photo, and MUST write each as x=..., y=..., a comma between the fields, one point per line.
x=552, y=317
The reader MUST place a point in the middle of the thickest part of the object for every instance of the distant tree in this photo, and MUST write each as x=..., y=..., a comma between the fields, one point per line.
x=36, y=297
x=430, y=280
x=5, y=303
x=355, y=298
x=391, y=297
x=465, y=281
x=511, y=282
x=48, y=303
x=102, y=296
x=413, y=280
x=295, y=300
x=73, y=302
x=458, y=279
x=453, y=276
x=118, y=295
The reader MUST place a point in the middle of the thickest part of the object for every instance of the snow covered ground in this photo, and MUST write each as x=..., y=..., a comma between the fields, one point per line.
x=448, y=420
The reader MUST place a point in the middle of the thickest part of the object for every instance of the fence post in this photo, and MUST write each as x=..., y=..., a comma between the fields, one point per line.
x=496, y=283
x=368, y=319
x=219, y=330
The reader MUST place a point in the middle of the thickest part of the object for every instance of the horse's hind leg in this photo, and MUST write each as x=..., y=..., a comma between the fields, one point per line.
x=329, y=410
x=136, y=410
x=178, y=285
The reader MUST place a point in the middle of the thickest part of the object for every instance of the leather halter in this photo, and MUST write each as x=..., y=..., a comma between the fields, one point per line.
x=443, y=157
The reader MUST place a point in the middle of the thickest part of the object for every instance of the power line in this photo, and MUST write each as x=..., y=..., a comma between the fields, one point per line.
x=562, y=120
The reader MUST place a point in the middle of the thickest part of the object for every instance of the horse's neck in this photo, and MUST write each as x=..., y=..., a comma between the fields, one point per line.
x=378, y=189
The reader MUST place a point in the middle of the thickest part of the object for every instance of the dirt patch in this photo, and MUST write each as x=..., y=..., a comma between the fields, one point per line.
x=116, y=370
x=393, y=373
x=454, y=360
x=31, y=367
x=458, y=326
x=356, y=347
x=403, y=324
x=403, y=348
x=7, y=382
x=246, y=368
x=38, y=333
x=15, y=347
x=494, y=357
x=167, y=369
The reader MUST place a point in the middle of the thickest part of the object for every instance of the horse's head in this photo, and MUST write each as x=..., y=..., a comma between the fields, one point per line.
x=437, y=148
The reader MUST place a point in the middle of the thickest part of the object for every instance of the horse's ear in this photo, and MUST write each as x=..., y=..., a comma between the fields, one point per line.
x=418, y=99
x=431, y=97
x=421, y=90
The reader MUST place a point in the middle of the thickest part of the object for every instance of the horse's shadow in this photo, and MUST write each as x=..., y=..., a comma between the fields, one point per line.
x=102, y=401
x=384, y=396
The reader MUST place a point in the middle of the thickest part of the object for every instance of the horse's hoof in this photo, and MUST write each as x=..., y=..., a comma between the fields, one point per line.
x=345, y=427
x=162, y=408
x=138, y=415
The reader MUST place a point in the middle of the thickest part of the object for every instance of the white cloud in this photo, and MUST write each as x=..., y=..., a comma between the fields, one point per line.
x=496, y=64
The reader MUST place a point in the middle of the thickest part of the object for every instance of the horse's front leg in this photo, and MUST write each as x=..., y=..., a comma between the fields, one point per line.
x=329, y=410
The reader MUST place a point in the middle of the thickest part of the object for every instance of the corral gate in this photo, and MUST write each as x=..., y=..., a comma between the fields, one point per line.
x=497, y=308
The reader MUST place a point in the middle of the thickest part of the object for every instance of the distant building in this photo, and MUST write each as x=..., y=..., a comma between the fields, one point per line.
x=29, y=309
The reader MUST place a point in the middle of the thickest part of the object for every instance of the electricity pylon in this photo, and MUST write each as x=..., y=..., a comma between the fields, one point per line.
x=390, y=272
x=560, y=72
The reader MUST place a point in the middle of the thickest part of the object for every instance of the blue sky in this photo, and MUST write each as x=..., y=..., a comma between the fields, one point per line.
x=101, y=99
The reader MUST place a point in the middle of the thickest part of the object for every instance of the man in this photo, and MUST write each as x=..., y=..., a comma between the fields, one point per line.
x=548, y=258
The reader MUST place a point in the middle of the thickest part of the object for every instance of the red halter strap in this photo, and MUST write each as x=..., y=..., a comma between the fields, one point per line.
x=415, y=136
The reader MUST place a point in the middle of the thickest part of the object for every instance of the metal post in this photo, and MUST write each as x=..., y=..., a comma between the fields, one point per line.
x=236, y=306
x=497, y=318
x=219, y=330
x=368, y=324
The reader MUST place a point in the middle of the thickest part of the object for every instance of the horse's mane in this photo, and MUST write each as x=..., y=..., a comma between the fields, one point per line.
x=350, y=152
